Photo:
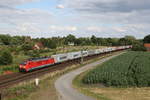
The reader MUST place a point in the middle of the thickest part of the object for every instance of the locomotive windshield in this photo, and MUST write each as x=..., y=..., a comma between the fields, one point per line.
x=23, y=63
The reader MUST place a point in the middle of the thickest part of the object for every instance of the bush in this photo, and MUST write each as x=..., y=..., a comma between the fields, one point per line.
x=6, y=57
x=138, y=47
x=27, y=46
x=32, y=53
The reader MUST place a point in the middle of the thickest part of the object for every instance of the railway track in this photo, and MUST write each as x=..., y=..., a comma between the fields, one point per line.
x=15, y=78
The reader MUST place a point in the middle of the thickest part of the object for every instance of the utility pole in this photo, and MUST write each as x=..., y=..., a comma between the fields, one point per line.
x=82, y=56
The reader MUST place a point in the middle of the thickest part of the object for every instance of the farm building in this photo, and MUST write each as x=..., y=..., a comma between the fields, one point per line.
x=38, y=46
x=147, y=46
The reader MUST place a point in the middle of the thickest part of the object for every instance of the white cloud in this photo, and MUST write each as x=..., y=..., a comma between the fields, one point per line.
x=94, y=29
x=63, y=28
x=60, y=6
x=11, y=3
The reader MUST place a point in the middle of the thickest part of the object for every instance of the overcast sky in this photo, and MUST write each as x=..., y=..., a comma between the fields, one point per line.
x=83, y=18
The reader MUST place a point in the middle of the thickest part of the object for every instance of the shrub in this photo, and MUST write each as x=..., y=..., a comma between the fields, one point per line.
x=32, y=53
x=6, y=57
x=138, y=47
x=27, y=46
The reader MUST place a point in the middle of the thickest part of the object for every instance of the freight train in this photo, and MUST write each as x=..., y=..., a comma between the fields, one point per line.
x=37, y=63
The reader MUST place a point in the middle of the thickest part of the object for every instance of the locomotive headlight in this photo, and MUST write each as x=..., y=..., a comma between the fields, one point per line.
x=22, y=66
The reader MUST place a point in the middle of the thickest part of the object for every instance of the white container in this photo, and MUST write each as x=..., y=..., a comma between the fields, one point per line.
x=60, y=57
x=85, y=53
x=91, y=52
x=74, y=55
x=97, y=51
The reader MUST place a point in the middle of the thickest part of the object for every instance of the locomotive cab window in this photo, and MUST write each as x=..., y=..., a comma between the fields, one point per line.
x=23, y=63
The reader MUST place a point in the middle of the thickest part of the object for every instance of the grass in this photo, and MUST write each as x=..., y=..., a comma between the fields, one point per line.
x=100, y=92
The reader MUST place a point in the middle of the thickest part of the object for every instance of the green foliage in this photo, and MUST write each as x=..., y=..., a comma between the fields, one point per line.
x=146, y=39
x=94, y=40
x=129, y=69
x=12, y=68
x=5, y=39
x=52, y=44
x=127, y=40
x=5, y=57
x=32, y=53
x=70, y=39
x=49, y=43
x=138, y=47
x=18, y=40
x=27, y=46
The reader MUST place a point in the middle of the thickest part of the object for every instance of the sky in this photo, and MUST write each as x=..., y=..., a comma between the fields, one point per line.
x=82, y=18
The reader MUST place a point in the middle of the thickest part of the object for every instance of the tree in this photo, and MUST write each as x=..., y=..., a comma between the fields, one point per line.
x=27, y=46
x=6, y=57
x=5, y=39
x=103, y=41
x=127, y=40
x=114, y=41
x=94, y=40
x=138, y=46
x=17, y=40
x=70, y=38
x=51, y=44
x=130, y=39
x=123, y=41
x=33, y=53
x=146, y=39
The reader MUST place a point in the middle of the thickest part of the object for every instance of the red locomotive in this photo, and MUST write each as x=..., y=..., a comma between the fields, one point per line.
x=36, y=63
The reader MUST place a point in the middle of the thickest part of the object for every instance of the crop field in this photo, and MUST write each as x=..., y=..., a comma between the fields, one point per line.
x=131, y=69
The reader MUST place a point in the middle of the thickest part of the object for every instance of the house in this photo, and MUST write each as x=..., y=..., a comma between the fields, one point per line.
x=147, y=46
x=70, y=43
x=38, y=46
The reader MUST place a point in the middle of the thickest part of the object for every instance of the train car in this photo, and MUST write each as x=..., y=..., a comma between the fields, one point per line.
x=114, y=49
x=101, y=50
x=60, y=57
x=85, y=53
x=91, y=52
x=36, y=63
x=104, y=50
x=97, y=51
x=74, y=55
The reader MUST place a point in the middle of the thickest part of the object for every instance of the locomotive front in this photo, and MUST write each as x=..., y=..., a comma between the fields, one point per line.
x=22, y=67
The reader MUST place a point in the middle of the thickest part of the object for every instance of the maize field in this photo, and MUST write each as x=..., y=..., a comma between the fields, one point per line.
x=131, y=69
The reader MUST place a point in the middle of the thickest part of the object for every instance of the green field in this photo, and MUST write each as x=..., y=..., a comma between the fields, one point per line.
x=127, y=70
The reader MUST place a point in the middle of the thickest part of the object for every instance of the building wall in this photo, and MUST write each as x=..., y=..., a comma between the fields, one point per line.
x=147, y=46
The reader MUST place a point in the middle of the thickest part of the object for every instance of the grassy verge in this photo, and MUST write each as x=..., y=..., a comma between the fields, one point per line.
x=101, y=92
x=46, y=89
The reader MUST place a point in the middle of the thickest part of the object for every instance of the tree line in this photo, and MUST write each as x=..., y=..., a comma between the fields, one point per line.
x=24, y=44
x=59, y=41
